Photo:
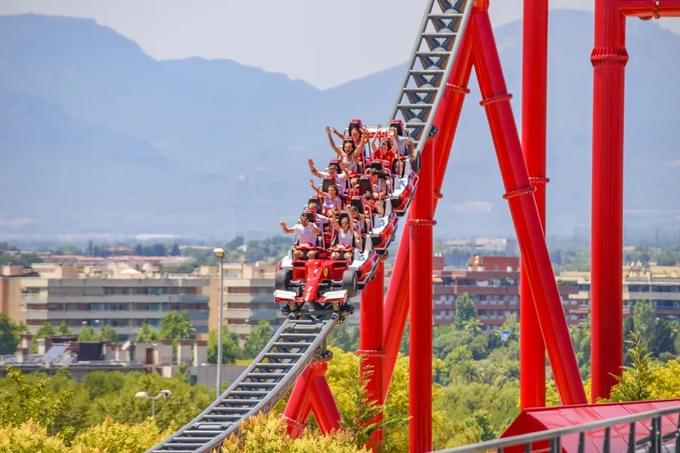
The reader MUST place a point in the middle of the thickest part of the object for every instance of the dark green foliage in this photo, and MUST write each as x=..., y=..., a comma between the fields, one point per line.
x=62, y=329
x=176, y=326
x=9, y=335
x=230, y=347
x=258, y=338
x=465, y=310
x=87, y=334
x=108, y=333
x=146, y=333
x=345, y=337
x=635, y=385
x=46, y=330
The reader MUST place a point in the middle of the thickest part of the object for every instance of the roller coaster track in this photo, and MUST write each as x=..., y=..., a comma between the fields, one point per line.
x=294, y=345
x=299, y=342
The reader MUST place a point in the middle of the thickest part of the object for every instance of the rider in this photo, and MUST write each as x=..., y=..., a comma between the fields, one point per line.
x=345, y=239
x=306, y=234
x=332, y=202
x=332, y=173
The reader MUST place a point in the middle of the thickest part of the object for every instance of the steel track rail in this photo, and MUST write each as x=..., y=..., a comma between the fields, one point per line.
x=292, y=347
x=434, y=52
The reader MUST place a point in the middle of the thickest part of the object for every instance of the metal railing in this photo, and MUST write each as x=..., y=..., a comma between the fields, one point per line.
x=551, y=440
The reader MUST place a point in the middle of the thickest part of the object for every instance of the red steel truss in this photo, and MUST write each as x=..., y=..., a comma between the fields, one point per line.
x=523, y=170
x=410, y=288
x=609, y=58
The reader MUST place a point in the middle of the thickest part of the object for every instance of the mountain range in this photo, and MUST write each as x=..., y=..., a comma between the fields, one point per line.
x=96, y=137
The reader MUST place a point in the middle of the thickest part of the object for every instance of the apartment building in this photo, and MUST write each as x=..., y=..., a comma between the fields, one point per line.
x=492, y=282
x=247, y=300
x=659, y=285
x=118, y=296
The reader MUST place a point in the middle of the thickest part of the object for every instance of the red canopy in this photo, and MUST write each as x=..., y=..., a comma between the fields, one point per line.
x=533, y=420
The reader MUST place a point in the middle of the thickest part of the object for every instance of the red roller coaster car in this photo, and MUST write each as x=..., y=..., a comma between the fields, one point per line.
x=323, y=283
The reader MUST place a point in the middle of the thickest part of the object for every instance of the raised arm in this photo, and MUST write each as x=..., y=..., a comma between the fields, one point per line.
x=314, y=188
x=334, y=222
x=358, y=151
x=313, y=168
x=285, y=228
x=337, y=133
x=334, y=147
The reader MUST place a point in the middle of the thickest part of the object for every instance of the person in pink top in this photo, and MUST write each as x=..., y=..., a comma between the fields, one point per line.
x=345, y=237
x=331, y=201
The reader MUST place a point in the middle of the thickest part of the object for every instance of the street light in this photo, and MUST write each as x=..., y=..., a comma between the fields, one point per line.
x=219, y=253
x=165, y=393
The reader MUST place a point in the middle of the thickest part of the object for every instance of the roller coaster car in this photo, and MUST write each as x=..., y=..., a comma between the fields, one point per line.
x=323, y=283
x=403, y=187
x=383, y=227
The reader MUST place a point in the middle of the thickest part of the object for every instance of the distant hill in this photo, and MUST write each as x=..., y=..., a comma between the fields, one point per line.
x=97, y=137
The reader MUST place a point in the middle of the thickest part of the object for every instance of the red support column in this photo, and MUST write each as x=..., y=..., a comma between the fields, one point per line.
x=323, y=405
x=523, y=209
x=299, y=404
x=420, y=310
x=609, y=59
x=371, y=343
x=447, y=116
x=534, y=96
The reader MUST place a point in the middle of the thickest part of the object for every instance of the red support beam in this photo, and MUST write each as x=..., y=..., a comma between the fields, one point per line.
x=323, y=405
x=371, y=343
x=396, y=299
x=311, y=394
x=299, y=404
x=650, y=9
x=420, y=310
x=609, y=59
x=523, y=210
x=534, y=114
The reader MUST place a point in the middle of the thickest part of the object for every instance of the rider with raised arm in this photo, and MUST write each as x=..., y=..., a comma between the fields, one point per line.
x=332, y=173
x=386, y=151
x=331, y=201
x=346, y=237
x=306, y=233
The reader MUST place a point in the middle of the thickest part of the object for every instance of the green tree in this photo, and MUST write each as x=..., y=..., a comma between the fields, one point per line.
x=637, y=379
x=644, y=316
x=45, y=331
x=345, y=337
x=230, y=347
x=258, y=338
x=267, y=433
x=663, y=338
x=87, y=334
x=62, y=329
x=23, y=399
x=110, y=436
x=580, y=336
x=146, y=333
x=30, y=437
x=177, y=326
x=465, y=310
x=108, y=333
x=8, y=335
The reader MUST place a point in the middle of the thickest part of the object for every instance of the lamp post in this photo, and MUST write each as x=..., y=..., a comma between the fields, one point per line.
x=162, y=394
x=219, y=253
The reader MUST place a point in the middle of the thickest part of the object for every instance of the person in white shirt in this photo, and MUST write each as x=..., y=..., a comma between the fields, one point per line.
x=306, y=234
x=332, y=173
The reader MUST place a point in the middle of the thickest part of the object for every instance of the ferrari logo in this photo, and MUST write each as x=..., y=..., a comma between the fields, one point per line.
x=325, y=272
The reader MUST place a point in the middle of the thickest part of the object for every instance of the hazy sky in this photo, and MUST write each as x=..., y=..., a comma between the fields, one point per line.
x=325, y=43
